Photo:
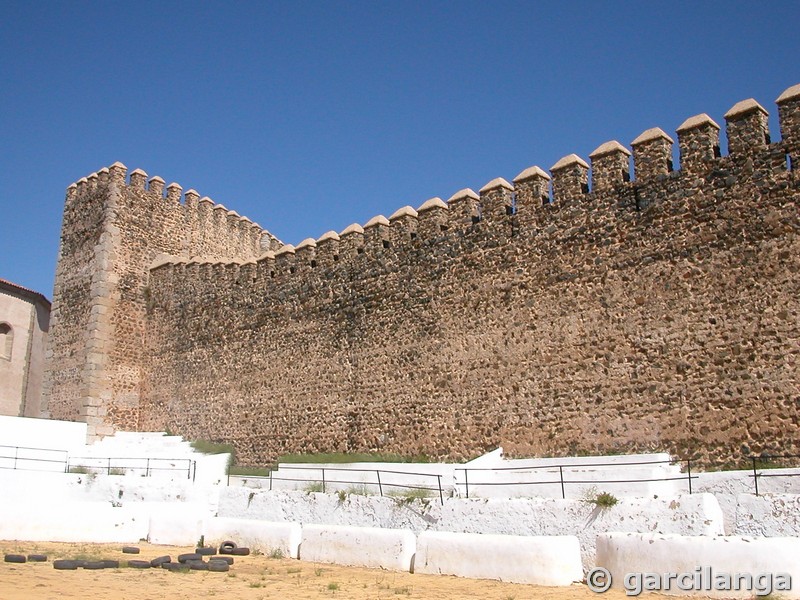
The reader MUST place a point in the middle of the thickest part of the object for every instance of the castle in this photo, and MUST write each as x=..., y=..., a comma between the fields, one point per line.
x=655, y=312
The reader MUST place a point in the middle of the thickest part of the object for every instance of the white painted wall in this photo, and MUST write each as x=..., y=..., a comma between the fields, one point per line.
x=177, y=524
x=623, y=553
x=698, y=514
x=97, y=522
x=488, y=476
x=371, y=547
x=58, y=446
x=727, y=486
x=38, y=444
x=770, y=515
x=551, y=561
x=256, y=535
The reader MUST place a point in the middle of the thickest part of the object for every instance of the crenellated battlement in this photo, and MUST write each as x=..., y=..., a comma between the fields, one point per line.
x=534, y=194
x=625, y=303
x=211, y=229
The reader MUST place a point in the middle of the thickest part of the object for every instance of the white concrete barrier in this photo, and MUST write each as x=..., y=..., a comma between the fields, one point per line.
x=90, y=522
x=177, y=525
x=359, y=546
x=545, y=560
x=258, y=535
x=702, y=566
x=769, y=515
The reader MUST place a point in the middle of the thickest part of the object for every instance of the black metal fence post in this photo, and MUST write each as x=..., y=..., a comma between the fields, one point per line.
x=466, y=482
x=323, y=481
x=16, y=453
x=441, y=495
x=147, y=470
x=689, y=471
x=380, y=488
x=108, y=468
x=270, y=480
x=755, y=474
x=561, y=477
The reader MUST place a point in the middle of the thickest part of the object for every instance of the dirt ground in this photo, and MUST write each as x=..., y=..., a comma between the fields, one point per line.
x=250, y=578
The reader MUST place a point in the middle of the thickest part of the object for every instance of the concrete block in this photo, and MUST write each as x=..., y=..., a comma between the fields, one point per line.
x=90, y=522
x=539, y=560
x=180, y=525
x=257, y=535
x=700, y=563
x=359, y=546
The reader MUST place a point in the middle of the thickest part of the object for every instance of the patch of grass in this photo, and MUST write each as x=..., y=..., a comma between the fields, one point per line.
x=333, y=586
x=359, y=490
x=276, y=553
x=601, y=499
x=315, y=486
x=408, y=496
x=80, y=470
x=256, y=584
x=209, y=447
x=319, y=571
x=344, y=457
x=403, y=590
x=293, y=570
x=251, y=471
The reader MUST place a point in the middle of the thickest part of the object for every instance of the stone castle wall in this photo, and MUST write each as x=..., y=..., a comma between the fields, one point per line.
x=112, y=232
x=653, y=314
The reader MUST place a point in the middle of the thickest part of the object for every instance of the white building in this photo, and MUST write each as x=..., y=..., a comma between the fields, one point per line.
x=24, y=321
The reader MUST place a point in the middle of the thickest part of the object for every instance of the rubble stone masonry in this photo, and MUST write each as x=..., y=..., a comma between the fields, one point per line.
x=657, y=311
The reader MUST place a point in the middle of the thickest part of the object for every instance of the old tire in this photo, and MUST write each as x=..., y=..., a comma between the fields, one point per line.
x=227, y=547
x=160, y=560
x=15, y=558
x=111, y=564
x=139, y=564
x=94, y=565
x=182, y=558
x=218, y=566
x=37, y=558
x=228, y=560
x=240, y=551
x=206, y=551
x=130, y=550
x=197, y=565
x=65, y=565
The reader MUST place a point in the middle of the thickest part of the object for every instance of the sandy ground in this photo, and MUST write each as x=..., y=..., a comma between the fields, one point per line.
x=250, y=578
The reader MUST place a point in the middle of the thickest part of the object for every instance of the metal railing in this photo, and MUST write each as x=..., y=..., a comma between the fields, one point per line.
x=755, y=460
x=328, y=482
x=19, y=457
x=120, y=466
x=23, y=458
x=687, y=476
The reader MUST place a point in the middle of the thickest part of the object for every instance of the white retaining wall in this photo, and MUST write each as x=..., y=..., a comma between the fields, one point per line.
x=42, y=433
x=698, y=514
x=96, y=522
x=771, y=515
x=727, y=486
x=359, y=546
x=177, y=524
x=38, y=444
x=552, y=561
x=630, y=553
x=257, y=535
x=539, y=477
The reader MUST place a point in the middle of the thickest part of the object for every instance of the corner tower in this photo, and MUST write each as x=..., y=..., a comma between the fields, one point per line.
x=113, y=229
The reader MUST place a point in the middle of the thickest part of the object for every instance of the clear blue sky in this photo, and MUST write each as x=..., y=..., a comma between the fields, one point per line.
x=309, y=116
